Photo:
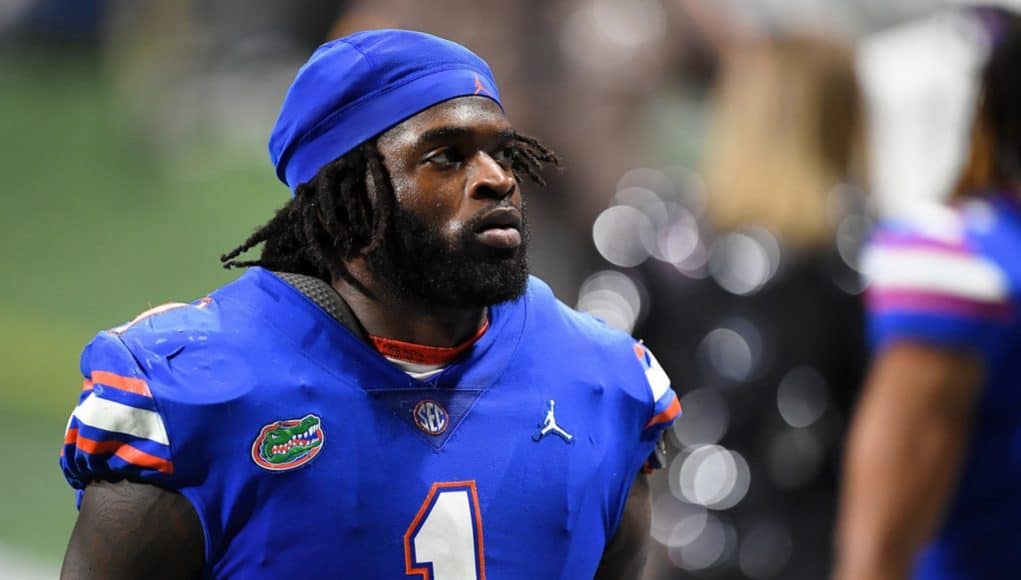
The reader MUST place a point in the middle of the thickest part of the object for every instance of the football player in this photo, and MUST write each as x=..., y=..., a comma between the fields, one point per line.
x=934, y=459
x=385, y=393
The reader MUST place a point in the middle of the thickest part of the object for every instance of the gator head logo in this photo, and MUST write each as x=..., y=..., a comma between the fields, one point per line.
x=288, y=443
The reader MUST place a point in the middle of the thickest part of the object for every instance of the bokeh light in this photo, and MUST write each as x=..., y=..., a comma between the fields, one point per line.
x=732, y=352
x=669, y=512
x=851, y=234
x=802, y=396
x=708, y=549
x=679, y=238
x=688, y=529
x=618, y=233
x=613, y=297
x=705, y=419
x=743, y=262
x=714, y=477
x=652, y=207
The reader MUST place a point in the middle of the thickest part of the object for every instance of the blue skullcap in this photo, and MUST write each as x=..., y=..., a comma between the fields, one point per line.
x=356, y=87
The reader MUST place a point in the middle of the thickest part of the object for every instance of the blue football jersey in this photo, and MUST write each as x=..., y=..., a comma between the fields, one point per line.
x=952, y=279
x=302, y=448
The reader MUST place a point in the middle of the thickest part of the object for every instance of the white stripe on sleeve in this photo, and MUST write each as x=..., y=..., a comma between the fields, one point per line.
x=934, y=271
x=120, y=418
x=659, y=382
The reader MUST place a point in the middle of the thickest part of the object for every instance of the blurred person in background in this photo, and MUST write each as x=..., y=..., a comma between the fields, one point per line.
x=934, y=457
x=754, y=310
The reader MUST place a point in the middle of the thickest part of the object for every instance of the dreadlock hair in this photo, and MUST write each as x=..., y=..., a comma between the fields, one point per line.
x=994, y=159
x=1002, y=84
x=338, y=215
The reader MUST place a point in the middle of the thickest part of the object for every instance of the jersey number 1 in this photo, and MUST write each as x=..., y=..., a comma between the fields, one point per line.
x=444, y=541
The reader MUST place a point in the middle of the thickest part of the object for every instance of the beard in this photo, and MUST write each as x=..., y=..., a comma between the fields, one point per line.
x=418, y=262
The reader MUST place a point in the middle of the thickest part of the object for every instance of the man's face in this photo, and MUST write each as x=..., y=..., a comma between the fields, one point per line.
x=458, y=237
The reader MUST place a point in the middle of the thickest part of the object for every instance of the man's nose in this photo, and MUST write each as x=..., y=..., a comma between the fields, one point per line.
x=490, y=178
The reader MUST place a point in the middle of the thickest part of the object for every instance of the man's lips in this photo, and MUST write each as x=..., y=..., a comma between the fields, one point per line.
x=500, y=228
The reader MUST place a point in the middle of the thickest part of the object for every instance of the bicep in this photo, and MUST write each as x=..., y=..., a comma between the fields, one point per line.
x=134, y=530
x=918, y=399
x=625, y=554
x=905, y=450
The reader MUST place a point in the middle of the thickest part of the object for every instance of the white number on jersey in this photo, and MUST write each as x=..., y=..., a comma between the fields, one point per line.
x=447, y=534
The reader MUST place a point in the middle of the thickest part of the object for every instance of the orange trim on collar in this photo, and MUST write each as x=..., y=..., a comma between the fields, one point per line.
x=423, y=354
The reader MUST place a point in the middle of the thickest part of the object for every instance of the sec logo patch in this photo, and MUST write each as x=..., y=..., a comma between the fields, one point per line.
x=430, y=417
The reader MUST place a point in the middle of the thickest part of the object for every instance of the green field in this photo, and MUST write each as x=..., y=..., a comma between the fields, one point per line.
x=96, y=227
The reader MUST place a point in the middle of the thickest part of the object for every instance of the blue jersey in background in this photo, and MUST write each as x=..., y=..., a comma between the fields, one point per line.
x=952, y=279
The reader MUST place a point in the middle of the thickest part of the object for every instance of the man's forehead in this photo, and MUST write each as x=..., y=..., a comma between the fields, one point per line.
x=472, y=114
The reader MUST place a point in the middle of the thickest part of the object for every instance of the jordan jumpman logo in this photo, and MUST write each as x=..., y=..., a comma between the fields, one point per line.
x=480, y=89
x=549, y=425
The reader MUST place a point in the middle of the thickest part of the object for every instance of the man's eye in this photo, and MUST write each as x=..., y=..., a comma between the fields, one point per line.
x=444, y=157
x=504, y=155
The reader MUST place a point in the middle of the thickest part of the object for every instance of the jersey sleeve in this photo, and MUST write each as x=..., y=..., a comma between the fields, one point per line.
x=935, y=289
x=666, y=406
x=116, y=431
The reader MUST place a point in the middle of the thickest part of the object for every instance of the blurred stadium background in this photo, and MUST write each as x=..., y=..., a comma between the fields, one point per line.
x=135, y=153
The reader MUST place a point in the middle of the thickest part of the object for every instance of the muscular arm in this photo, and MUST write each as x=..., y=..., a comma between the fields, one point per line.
x=133, y=530
x=904, y=453
x=625, y=555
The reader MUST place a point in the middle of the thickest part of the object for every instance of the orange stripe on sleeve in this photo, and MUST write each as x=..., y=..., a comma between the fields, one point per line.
x=91, y=446
x=129, y=384
x=121, y=449
x=668, y=414
x=143, y=459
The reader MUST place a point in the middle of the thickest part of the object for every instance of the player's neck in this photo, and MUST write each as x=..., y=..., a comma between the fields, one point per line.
x=385, y=314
